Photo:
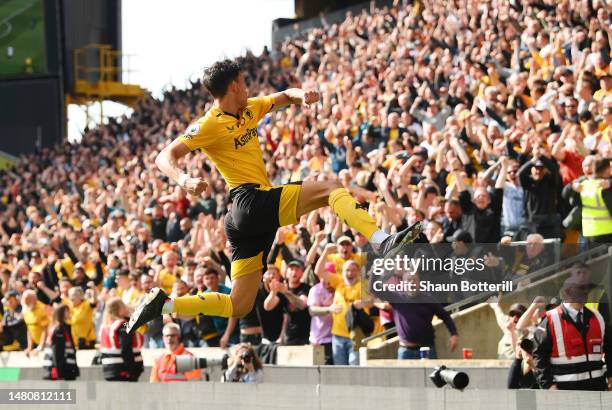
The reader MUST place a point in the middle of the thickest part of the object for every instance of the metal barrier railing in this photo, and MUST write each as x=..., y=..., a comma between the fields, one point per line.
x=560, y=265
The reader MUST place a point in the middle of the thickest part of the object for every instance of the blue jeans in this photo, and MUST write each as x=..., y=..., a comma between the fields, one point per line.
x=403, y=353
x=153, y=342
x=194, y=343
x=342, y=351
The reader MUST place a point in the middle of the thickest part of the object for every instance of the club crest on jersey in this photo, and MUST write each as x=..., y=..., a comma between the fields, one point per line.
x=248, y=113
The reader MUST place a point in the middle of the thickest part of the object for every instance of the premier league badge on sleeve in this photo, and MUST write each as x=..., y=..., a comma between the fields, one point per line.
x=192, y=130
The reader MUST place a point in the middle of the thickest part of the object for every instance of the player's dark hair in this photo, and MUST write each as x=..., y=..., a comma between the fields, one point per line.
x=218, y=77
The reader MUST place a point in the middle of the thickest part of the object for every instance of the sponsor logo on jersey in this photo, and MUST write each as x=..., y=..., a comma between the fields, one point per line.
x=243, y=139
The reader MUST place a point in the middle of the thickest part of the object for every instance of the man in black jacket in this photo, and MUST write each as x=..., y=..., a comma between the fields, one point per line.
x=540, y=180
x=482, y=216
x=293, y=297
x=453, y=219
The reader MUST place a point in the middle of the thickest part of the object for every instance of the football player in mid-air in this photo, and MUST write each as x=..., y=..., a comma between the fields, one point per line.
x=227, y=134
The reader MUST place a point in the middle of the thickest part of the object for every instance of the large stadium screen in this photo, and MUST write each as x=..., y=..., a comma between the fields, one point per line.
x=22, y=37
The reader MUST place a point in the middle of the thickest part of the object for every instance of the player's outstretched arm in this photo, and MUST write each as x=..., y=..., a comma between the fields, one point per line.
x=295, y=96
x=167, y=162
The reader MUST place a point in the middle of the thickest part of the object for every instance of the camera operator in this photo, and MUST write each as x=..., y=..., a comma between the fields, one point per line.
x=245, y=366
x=165, y=368
x=521, y=374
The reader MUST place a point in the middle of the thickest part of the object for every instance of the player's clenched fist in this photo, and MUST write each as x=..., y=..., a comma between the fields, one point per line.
x=193, y=186
x=311, y=97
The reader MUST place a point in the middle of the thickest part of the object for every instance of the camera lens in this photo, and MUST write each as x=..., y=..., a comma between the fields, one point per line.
x=246, y=357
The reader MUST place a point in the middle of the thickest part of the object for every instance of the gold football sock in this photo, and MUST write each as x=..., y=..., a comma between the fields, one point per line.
x=349, y=210
x=211, y=304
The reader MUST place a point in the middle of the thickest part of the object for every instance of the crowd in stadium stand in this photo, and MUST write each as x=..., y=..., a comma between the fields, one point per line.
x=487, y=120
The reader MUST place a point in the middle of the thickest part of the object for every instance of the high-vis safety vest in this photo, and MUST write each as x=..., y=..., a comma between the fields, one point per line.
x=166, y=367
x=67, y=364
x=575, y=358
x=596, y=219
x=113, y=363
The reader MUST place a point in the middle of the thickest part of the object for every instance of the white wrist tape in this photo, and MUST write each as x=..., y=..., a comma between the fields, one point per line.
x=182, y=179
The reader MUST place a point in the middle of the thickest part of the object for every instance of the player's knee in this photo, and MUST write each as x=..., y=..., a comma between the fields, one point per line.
x=240, y=311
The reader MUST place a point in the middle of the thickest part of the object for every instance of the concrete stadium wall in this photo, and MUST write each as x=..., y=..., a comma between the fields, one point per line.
x=307, y=355
x=213, y=396
x=387, y=376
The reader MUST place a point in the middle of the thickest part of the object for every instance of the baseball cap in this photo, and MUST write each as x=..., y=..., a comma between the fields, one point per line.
x=344, y=238
x=12, y=292
x=517, y=310
x=461, y=235
x=297, y=263
x=539, y=164
x=117, y=213
x=431, y=190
